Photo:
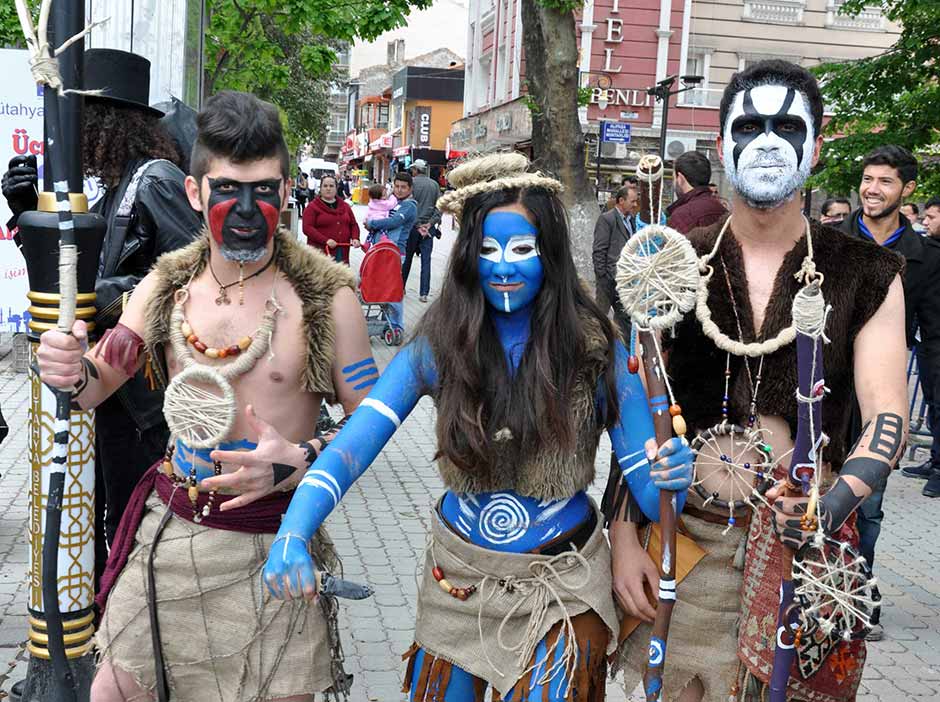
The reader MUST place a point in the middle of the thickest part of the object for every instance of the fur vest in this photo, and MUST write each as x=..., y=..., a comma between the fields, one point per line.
x=314, y=277
x=548, y=472
x=858, y=274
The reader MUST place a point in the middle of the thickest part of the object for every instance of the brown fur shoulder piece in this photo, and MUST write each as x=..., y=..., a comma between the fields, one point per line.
x=314, y=277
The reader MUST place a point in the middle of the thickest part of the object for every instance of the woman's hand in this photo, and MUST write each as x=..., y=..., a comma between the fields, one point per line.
x=674, y=466
x=274, y=464
x=355, y=243
x=331, y=243
x=289, y=571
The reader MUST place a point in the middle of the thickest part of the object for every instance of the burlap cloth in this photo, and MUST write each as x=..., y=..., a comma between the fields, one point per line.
x=519, y=597
x=224, y=638
x=703, y=637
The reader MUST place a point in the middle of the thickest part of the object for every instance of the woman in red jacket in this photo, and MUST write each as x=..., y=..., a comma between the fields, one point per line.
x=329, y=223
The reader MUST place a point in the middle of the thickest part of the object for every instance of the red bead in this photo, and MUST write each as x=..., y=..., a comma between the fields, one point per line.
x=453, y=592
x=233, y=350
x=199, y=346
x=192, y=338
x=437, y=573
x=462, y=594
x=633, y=364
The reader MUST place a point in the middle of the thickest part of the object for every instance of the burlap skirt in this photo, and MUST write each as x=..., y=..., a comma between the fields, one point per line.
x=224, y=639
x=703, y=638
x=520, y=597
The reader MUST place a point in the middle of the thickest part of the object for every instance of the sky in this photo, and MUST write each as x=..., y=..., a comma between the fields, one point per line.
x=443, y=25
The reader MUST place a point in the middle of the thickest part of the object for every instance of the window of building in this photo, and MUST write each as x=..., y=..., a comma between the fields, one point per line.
x=704, y=95
x=481, y=96
x=774, y=11
x=383, y=117
x=870, y=19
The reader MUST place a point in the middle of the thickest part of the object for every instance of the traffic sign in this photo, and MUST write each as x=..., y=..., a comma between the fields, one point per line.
x=615, y=132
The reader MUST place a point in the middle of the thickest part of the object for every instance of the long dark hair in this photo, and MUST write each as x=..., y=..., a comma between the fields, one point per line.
x=113, y=136
x=476, y=396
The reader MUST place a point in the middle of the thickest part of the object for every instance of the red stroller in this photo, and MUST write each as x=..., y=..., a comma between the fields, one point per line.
x=380, y=283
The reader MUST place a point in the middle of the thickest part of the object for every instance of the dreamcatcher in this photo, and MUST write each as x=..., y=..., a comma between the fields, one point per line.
x=827, y=591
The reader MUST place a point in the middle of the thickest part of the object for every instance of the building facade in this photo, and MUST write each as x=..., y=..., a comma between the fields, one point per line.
x=402, y=110
x=627, y=46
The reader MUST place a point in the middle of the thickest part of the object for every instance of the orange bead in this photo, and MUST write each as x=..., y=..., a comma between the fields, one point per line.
x=192, y=338
x=633, y=364
x=675, y=410
x=223, y=353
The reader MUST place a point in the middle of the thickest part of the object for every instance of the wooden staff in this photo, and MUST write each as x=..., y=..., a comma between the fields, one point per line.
x=667, y=418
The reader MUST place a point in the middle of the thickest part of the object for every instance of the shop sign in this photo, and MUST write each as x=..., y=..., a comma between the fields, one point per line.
x=423, y=125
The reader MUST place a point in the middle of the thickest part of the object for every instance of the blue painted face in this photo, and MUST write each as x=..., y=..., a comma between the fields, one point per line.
x=511, y=271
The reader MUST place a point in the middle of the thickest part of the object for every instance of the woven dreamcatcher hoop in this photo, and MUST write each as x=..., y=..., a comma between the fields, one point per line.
x=657, y=277
x=199, y=403
x=741, y=469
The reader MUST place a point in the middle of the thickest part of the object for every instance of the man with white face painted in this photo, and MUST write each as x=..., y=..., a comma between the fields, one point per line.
x=771, y=117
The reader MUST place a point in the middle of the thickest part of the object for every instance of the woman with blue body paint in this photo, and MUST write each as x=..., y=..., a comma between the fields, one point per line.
x=526, y=373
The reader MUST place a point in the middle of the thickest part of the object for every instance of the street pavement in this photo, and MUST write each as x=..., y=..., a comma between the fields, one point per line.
x=380, y=529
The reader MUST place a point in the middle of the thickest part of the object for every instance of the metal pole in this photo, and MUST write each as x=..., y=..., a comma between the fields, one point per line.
x=666, y=94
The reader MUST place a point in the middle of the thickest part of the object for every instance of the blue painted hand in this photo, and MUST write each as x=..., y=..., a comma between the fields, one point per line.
x=674, y=467
x=289, y=572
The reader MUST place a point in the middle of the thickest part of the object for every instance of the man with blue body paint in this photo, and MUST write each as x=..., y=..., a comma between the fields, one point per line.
x=526, y=372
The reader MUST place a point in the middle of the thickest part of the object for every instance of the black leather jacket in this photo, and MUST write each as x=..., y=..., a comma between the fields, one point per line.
x=160, y=220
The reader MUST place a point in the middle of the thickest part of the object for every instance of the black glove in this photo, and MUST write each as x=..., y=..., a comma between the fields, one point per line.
x=19, y=185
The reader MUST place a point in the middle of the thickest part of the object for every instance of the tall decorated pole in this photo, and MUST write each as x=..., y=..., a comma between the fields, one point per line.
x=61, y=244
x=655, y=307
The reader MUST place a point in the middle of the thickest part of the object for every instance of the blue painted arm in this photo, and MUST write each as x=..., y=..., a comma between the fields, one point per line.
x=342, y=462
x=629, y=436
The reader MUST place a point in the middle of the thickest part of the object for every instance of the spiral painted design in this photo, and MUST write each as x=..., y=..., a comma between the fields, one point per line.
x=657, y=651
x=504, y=519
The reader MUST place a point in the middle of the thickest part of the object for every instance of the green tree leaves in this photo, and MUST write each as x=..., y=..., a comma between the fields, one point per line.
x=889, y=98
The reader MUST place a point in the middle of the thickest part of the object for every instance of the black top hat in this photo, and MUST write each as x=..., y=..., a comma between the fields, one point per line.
x=123, y=77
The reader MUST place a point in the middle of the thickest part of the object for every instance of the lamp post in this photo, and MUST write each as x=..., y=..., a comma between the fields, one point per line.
x=662, y=91
x=602, y=82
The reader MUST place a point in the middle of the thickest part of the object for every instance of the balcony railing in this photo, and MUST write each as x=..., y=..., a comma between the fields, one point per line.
x=870, y=19
x=776, y=11
x=701, y=97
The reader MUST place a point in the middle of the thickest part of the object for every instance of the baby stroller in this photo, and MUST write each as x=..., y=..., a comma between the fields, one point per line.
x=380, y=283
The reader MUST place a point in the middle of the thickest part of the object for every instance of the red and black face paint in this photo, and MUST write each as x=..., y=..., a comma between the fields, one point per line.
x=243, y=216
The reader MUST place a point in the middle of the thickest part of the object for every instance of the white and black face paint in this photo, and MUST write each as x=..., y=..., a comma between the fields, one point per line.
x=768, y=144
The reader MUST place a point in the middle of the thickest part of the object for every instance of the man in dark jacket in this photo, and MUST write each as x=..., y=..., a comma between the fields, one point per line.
x=696, y=205
x=611, y=232
x=889, y=175
x=421, y=239
x=147, y=214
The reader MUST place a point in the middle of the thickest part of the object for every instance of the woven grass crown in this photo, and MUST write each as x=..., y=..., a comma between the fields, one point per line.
x=490, y=173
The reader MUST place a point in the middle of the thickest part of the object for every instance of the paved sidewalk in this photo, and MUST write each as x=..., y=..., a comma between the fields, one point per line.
x=380, y=531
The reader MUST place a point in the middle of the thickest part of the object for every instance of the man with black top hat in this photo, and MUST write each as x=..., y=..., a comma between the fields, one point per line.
x=148, y=214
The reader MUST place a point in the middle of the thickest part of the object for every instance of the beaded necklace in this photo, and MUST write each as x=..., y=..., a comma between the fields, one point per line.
x=203, y=417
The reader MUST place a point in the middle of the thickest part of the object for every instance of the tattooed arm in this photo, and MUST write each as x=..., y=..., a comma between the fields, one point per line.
x=881, y=387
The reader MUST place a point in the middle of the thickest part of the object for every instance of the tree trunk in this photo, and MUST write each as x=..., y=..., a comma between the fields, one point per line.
x=551, y=66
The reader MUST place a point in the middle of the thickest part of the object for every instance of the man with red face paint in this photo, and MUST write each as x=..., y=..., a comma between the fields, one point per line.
x=246, y=323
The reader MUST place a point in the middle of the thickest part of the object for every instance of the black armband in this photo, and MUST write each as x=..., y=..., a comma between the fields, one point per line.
x=836, y=506
x=870, y=471
x=311, y=452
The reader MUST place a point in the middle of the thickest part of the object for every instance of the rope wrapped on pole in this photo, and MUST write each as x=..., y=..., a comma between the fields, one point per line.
x=44, y=67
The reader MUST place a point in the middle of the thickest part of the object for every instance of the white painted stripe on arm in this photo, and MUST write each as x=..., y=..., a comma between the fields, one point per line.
x=382, y=409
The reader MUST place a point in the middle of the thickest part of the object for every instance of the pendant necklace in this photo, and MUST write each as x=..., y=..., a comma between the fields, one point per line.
x=223, y=298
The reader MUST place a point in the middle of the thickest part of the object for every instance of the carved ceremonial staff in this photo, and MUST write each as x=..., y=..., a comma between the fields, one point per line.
x=62, y=480
x=809, y=316
x=646, y=308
